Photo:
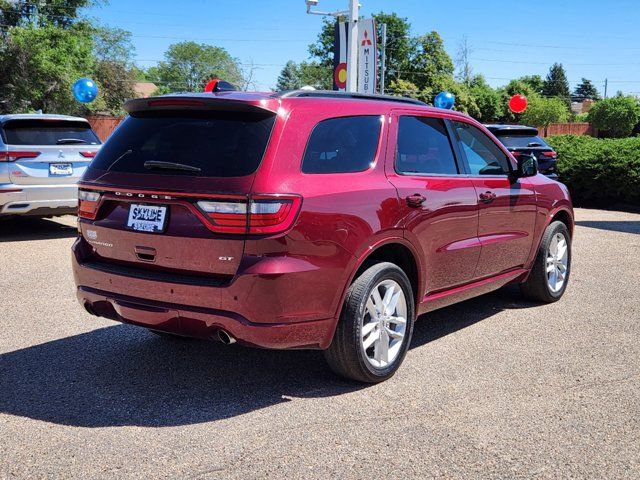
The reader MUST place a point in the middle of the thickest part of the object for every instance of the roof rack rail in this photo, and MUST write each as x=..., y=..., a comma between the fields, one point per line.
x=352, y=95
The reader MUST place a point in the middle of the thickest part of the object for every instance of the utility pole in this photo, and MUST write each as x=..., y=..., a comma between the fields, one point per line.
x=606, y=83
x=352, y=47
x=383, y=59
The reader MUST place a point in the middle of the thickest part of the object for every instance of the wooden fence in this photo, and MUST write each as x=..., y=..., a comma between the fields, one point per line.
x=568, y=129
x=104, y=127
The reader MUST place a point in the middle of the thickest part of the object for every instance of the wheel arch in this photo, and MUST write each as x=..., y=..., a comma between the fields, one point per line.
x=562, y=215
x=396, y=250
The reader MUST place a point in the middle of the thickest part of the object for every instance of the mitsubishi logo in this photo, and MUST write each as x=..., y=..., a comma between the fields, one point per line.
x=60, y=154
x=365, y=40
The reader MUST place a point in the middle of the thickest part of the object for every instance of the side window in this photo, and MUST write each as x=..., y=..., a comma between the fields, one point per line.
x=424, y=147
x=342, y=145
x=483, y=156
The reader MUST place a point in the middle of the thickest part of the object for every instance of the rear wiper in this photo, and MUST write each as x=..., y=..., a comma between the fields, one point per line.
x=170, y=166
x=70, y=141
x=534, y=144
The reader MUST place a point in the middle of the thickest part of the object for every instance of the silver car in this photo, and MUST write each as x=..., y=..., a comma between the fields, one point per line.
x=41, y=159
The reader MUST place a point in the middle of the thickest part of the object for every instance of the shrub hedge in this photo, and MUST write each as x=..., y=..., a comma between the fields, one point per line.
x=599, y=171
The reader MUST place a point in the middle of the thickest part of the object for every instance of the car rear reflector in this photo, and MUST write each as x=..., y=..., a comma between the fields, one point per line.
x=88, y=202
x=13, y=156
x=263, y=214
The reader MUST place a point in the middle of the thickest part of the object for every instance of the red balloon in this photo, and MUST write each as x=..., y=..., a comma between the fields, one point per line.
x=211, y=84
x=518, y=103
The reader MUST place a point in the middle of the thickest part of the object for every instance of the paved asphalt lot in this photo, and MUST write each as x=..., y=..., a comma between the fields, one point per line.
x=492, y=388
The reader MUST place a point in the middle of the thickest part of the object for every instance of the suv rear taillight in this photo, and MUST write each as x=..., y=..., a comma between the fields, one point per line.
x=88, y=154
x=262, y=214
x=88, y=202
x=550, y=154
x=13, y=156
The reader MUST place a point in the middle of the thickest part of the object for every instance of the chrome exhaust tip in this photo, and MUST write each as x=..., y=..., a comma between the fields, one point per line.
x=89, y=309
x=226, y=338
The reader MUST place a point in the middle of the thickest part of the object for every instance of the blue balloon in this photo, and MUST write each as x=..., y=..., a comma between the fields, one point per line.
x=445, y=100
x=85, y=90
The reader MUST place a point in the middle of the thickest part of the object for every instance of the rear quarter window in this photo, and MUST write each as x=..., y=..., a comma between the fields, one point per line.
x=219, y=144
x=47, y=132
x=342, y=145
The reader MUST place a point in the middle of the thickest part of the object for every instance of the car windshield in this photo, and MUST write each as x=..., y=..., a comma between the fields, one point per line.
x=48, y=132
x=209, y=144
x=522, y=141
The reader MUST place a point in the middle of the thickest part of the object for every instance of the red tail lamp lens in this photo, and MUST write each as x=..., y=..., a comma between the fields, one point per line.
x=13, y=156
x=88, y=202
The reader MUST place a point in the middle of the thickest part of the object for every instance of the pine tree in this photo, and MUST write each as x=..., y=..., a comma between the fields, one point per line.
x=586, y=90
x=556, y=84
x=289, y=78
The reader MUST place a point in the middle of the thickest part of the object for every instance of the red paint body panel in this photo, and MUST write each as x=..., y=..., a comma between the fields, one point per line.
x=286, y=290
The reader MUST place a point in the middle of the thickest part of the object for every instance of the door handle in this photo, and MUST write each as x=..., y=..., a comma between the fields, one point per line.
x=415, y=200
x=487, y=197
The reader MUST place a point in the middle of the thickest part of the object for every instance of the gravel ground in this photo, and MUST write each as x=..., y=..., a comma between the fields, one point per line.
x=492, y=388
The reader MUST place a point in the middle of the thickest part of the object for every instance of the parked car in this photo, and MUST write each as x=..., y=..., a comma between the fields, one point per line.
x=310, y=220
x=41, y=160
x=522, y=140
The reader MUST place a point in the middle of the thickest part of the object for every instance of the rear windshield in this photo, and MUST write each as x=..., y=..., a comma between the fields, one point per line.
x=48, y=132
x=522, y=141
x=209, y=144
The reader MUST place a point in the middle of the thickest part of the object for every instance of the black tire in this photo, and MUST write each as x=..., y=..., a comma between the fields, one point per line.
x=536, y=287
x=345, y=355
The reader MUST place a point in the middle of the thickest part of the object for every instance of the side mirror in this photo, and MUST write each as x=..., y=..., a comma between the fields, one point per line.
x=527, y=165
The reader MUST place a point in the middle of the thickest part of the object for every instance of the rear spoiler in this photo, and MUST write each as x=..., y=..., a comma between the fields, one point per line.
x=228, y=102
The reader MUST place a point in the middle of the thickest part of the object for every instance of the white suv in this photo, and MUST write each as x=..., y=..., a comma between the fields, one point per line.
x=42, y=158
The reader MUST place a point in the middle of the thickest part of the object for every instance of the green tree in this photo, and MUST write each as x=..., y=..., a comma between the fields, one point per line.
x=40, y=65
x=556, y=84
x=114, y=69
x=189, y=65
x=289, y=78
x=314, y=74
x=542, y=111
x=430, y=66
x=586, y=90
x=57, y=13
x=616, y=117
x=489, y=101
x=534, y=82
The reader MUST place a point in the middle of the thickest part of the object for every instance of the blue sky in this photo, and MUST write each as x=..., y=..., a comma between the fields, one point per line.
x=593, y=39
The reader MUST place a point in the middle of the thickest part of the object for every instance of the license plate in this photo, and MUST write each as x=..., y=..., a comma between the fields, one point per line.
x=147, y=218
x=60, y=169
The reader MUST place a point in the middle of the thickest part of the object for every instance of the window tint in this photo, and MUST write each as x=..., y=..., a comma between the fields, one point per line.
x=220, y=144
x=342, y=145
x=48, y=132
x=522, y=141
x=483, y=156
x=424, y=147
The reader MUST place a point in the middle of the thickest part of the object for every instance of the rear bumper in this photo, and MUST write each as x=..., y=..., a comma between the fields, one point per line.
x=38, y=199
x=204, y=323
x=269, y=309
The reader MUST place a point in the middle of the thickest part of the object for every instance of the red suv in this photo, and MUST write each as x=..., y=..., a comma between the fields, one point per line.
x=310, y=220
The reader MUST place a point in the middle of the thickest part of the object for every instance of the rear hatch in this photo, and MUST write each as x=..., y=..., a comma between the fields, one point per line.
x=168, y=197
x=527, y=143
x=48, y=151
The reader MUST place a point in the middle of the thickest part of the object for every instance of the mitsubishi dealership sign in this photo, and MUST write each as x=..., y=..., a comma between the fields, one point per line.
x=367, y=56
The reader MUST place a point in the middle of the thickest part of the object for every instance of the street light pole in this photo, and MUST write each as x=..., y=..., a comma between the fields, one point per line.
x=352, y=48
